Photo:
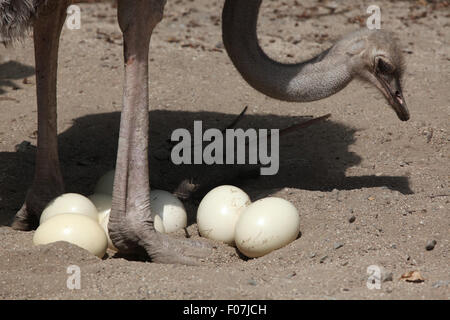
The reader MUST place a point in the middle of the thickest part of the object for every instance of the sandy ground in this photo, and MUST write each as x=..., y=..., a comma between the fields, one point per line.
x=391, y=176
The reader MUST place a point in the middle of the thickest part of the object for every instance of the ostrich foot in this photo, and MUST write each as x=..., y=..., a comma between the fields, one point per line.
x=177, y=251
x=27, y=218
x=142, y=239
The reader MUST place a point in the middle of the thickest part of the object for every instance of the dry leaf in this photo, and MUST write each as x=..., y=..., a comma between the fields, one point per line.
x=423, y=2
x=8, y=99
x=412, y=276
x=173, y=40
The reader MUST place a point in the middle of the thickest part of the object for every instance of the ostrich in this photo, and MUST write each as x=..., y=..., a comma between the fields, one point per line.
x=372, y=56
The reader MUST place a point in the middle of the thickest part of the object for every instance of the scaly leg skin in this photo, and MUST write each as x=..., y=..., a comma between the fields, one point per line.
x=131, y=226
x=48, y=182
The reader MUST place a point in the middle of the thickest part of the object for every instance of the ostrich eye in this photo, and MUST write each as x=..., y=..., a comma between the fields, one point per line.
x=384, y=67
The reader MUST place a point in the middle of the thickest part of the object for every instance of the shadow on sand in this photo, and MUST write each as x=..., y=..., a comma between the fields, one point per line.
x=13, y=70
x=315, y=158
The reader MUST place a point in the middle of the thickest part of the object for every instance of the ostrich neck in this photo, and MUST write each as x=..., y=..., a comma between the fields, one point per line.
x=314, y=79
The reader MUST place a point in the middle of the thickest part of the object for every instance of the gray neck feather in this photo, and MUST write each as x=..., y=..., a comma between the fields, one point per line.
x=310, y=80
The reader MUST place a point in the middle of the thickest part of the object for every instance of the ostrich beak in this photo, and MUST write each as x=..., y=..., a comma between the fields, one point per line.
x=392, y=90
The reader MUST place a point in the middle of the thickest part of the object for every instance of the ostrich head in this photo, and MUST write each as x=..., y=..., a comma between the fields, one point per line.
x=376, y=58
x=370, y=55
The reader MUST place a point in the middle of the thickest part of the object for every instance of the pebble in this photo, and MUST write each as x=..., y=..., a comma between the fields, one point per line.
x=441, y=283
x=352, y=219
x=386, y=275
x=430, y=245
x=23, y=147
x=322, y=260
x=338, y=245
x=252, y=282
x=291, y=275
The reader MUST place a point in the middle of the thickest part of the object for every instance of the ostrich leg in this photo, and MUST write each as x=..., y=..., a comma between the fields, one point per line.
x=131, y=226
x=48, y=182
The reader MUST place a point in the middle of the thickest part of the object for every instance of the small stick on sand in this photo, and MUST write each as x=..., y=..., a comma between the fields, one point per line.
x=235, y=121
x=303, y=125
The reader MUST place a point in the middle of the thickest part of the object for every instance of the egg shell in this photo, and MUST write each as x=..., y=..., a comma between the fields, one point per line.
x=219, y=211
x=106, y=183
x=103, y=221
x=69, y=203
x=103, y=203
x=266, y=225
x=159, y=224
x=76, y=229
x=169, y=209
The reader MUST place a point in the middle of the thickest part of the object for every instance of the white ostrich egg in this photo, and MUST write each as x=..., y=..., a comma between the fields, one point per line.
x=69, y=203
x=219, y=211
x=266, y=225
x=168, y=209
x=103, y=203
x=106, y=183
x=76, y=229
x=159, y=224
